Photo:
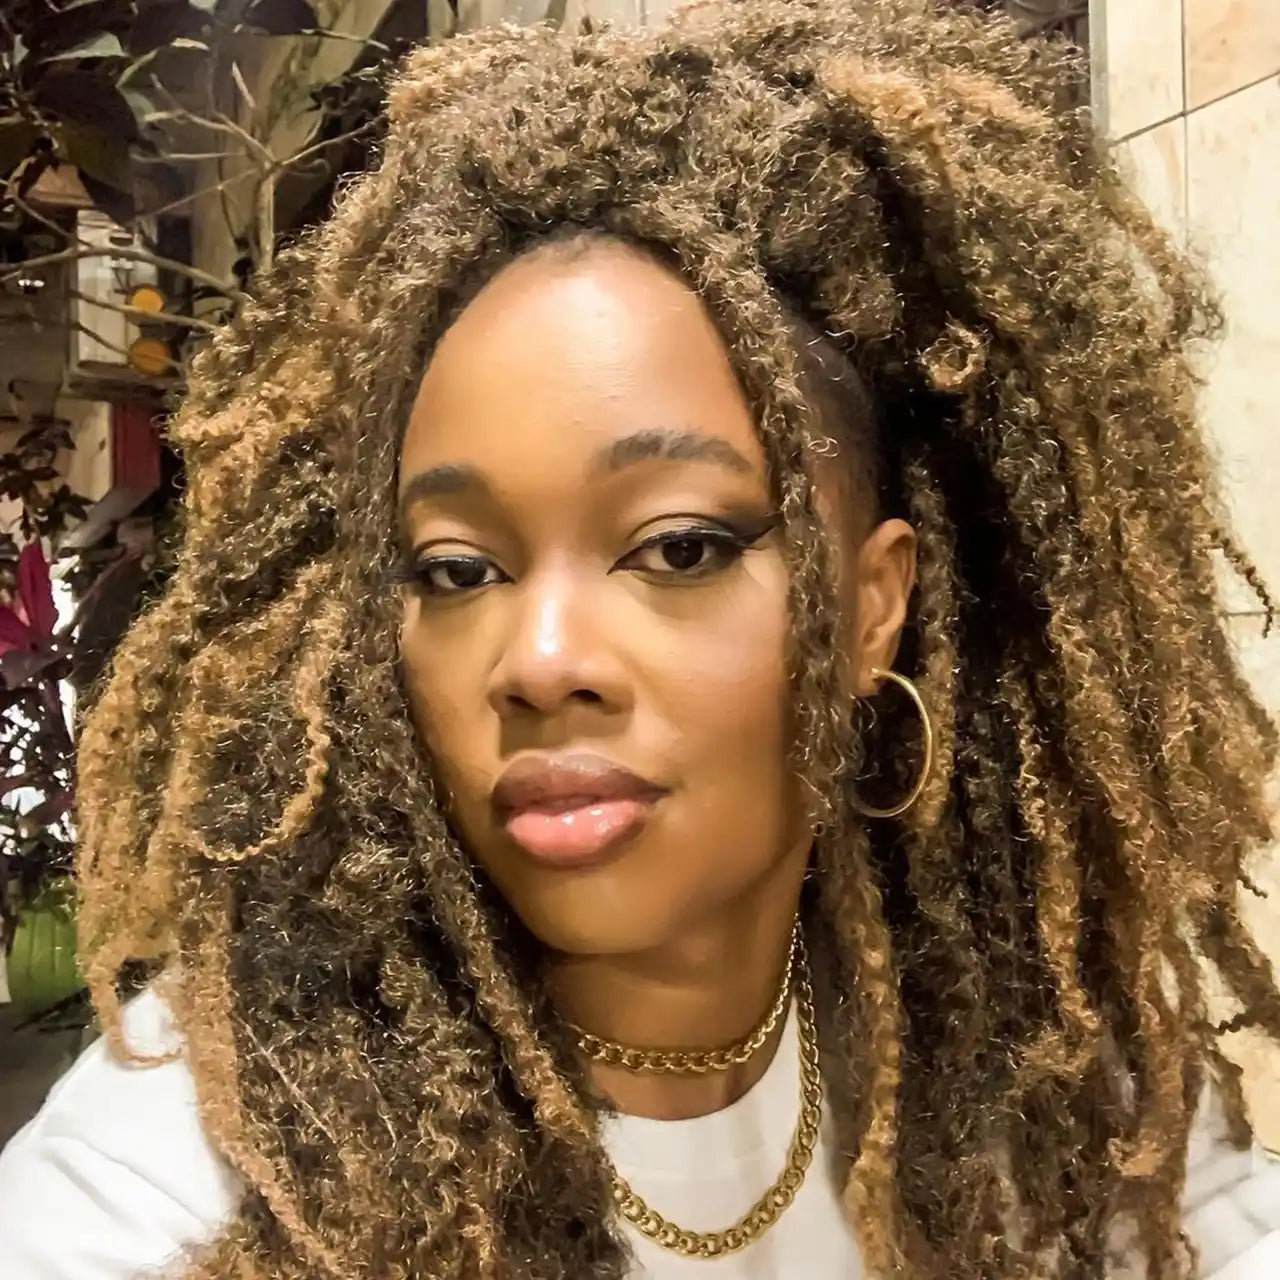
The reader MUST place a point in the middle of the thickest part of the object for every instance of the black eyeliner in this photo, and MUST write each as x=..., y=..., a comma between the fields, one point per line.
x=743, y=536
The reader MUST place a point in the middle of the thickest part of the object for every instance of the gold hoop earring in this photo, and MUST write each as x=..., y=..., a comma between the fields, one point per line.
x=869, y=811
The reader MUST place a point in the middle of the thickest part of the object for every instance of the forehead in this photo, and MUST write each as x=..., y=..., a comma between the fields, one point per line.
x=562, y=353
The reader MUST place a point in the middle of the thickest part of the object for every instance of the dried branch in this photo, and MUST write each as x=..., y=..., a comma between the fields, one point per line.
x=217, y=124
x=1060, y=19
x=175, y=366
x=185, y=157
x=131, y=255
x=225, y=124
x=244, y=88
x=28, y=210
x=315, y=149
x=147, y=317
x=214, y=188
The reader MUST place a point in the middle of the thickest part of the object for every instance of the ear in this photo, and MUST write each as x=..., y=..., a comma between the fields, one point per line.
x=884, y=578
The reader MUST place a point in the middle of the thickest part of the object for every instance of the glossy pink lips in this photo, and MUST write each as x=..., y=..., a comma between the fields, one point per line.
x=571, y=809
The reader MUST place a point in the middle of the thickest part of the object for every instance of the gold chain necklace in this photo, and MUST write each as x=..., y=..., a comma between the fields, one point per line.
x=769, y=1208
x=694, y=1061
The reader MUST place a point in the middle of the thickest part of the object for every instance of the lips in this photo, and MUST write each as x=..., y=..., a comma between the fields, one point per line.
x=571, y=809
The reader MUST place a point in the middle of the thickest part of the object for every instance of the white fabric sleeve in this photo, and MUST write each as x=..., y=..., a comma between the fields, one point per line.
x=1231, y=1207
x=114, y=1176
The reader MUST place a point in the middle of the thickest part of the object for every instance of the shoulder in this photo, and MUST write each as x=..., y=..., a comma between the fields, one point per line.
x=115, y=1173
x=1232, y=1202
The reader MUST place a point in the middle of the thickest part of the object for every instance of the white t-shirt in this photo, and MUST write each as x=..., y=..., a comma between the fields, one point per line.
x=115, y=1176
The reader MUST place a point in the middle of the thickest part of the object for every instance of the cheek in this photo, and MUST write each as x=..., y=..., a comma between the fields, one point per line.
x=728, y=692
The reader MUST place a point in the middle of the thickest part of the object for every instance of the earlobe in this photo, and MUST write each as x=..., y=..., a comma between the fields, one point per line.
x=886, y=576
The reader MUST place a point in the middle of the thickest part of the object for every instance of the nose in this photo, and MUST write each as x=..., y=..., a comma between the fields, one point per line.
x=557, y=653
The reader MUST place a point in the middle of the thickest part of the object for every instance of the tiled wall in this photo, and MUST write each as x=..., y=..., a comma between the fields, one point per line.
x=1190, y=91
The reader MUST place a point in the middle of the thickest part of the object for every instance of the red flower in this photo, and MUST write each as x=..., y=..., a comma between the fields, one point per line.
x=29, y=622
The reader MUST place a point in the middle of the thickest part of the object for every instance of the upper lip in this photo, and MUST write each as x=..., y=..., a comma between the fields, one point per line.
x=567, y=782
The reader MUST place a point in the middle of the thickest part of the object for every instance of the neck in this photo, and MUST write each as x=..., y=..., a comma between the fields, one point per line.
x=710, y=987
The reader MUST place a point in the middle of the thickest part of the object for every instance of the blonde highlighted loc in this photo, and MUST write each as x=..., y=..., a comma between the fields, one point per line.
x=1014, y=1078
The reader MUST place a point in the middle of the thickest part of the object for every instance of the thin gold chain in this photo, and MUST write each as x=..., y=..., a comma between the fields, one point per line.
x=694, y=1061
x=769, y=1208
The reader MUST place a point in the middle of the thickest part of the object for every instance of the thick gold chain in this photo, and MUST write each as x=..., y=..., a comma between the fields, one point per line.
x=769, y=1208
x=694, y=1061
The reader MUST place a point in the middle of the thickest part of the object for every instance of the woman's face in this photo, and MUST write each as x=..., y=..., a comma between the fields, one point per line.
x=594, y=640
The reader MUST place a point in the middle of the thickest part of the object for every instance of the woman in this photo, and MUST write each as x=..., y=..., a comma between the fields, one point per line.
x=692, y=732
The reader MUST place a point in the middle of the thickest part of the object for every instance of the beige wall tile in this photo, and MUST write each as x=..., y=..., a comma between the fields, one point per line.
x=1233, y=217
x=1234, y=592
x=1259, y=658
x=1155, y=163
x=1139, y=49
x=1257, y=1055
x=1229, y=44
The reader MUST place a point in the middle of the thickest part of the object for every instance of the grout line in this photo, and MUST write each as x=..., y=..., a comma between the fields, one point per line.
x=1182, y=51
x=1185, y=244
x=1187, y=135
x=1146, y=128
x=1186, y=115
x=1099, y=82
x=1231, y=93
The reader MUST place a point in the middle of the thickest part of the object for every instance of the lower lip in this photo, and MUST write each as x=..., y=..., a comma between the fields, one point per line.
x=575, y=836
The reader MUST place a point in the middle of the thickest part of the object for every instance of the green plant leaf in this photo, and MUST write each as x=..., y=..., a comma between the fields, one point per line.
x=140, y=63
x=159, y=24
x=282, y=17
x=86, y=97
x=55, y=29
x=139, y=104
x=98, y=153
x=102, y=45
x=114, y=198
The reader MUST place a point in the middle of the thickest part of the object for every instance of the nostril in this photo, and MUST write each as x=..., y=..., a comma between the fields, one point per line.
x=533, y=700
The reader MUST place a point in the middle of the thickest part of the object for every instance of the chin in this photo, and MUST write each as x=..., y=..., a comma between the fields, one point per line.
x=581, y=919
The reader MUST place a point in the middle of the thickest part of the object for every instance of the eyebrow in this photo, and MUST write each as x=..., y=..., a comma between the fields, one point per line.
x=665, y=444
x=656, y=444
x=444, y=481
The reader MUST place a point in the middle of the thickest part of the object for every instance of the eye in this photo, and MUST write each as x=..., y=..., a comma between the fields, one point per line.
x=690, y=553
x=455, y=575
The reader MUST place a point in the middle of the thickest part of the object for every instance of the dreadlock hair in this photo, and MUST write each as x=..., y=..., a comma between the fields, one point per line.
x=1017, y=1019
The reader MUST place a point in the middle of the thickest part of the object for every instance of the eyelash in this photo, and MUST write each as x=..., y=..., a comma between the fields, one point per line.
x=728, y=542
